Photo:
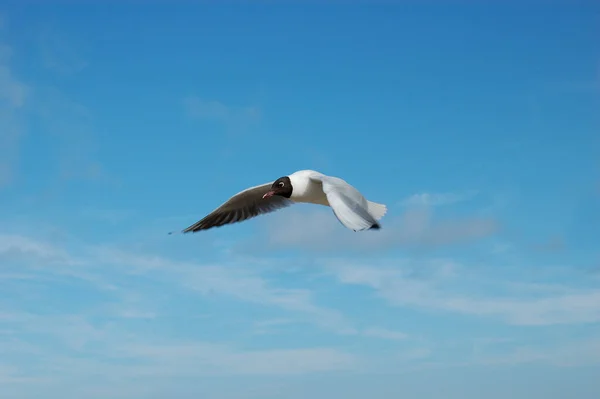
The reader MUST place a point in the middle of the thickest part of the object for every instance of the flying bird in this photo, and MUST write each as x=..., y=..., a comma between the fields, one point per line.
x=349, y=206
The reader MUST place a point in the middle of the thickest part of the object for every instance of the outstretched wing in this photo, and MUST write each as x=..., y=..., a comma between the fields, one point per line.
x=244, y=205
x=347, y=203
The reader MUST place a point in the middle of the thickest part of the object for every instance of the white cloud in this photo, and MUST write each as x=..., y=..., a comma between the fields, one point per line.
x=113, y=343
x=112, y=216
x=548, y=307
x=69, y=123
x=12, y=91
x=76, y=341
x=119, y=341
x=570, y=354
x=553, y=244
x=384, y=333
x=61, y=54
x=270, y=326
x=237, y=118
x=319, y=230
x=13, y=95
x=53, y=351
x=231, y=280
x=18, y=246
x=438, y=199
x=210, y=358
x=590, y=84
x=61, y=117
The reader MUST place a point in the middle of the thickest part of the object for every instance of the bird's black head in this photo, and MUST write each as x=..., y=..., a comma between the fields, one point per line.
x=282, y=187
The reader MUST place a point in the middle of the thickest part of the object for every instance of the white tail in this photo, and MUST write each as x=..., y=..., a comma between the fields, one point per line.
x=376, y=210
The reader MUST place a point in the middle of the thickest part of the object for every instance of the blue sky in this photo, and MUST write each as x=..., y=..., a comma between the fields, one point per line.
x=477, y=126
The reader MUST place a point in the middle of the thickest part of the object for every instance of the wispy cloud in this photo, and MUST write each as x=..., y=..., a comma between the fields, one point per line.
x=232, y=117
x=227, y=279
x=61, y=54
x=61, y=117
x=76, y=334
x=120, y=334
x=271, y=327
x=13, y=91
x=70, y=124
x=319, y=230
x=553, y=244
x=438, y=199
x=52, y=351
x=112, y=216
x=13, y=95
x=101, y=335
x=571, y=354
x=18, y=246
x=579, y=86
x=210, y=359
x=396, y=284
x=384, y=333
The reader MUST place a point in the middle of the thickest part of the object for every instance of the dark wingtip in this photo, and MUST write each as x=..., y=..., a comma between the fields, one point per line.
x=375, y=226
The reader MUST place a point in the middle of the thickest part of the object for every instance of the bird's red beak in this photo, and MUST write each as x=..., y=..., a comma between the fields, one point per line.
x=269, y=194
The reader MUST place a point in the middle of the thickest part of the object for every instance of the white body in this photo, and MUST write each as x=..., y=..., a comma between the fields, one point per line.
x=351, y=208
x=306, y=189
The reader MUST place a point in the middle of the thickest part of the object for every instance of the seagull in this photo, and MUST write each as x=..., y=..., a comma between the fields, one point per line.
x=349, y=206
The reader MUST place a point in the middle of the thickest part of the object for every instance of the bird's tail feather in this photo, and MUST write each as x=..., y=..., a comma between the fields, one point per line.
x=376, y=210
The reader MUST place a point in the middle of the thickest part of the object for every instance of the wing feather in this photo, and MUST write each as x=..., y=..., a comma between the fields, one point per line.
x=244, y=205
x=347, y=203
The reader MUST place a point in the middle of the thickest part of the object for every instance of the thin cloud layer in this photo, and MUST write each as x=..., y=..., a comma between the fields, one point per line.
x=60, y=54
x=443, y=291
x=64, y=121
x=318, y=230
x=235, y=119
x=17, y=246
x=108, y=331
x=102, y=326
x=438, y=199
x=13, y=95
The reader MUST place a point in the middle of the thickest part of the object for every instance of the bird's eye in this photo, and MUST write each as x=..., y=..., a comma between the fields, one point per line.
x=281, y=184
